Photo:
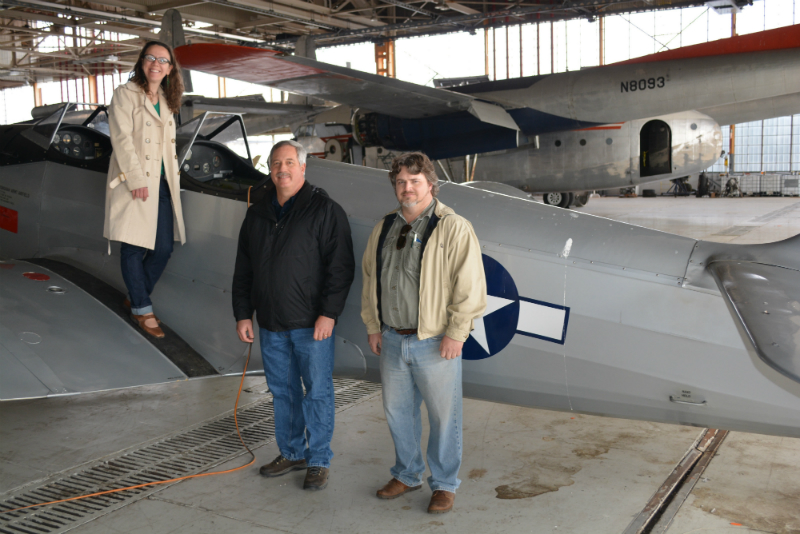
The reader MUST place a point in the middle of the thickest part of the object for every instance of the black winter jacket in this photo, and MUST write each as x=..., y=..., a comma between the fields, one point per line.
x=291, y=272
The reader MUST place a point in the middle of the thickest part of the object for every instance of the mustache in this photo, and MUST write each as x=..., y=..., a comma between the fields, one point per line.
x=283, y=175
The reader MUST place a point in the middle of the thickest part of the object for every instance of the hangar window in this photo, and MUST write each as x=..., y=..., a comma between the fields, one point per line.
x=655, y=148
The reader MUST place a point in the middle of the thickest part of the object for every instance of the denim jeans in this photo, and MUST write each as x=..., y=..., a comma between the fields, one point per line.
x=141, y=268
x=303, y=424
x=413, y=371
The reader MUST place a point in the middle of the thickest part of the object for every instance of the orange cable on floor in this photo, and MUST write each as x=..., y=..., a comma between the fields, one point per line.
x=236, y=422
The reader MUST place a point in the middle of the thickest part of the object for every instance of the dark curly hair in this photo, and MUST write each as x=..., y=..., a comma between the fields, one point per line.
x=415, y=163
x=172, y=84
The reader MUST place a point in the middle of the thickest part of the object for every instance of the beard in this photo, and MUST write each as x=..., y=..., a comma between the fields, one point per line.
x=409, y=203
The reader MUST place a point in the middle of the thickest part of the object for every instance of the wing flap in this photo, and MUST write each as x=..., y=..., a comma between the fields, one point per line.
x=766, y=301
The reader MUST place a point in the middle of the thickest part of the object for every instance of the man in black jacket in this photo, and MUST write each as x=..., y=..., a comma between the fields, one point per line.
x=294, y=267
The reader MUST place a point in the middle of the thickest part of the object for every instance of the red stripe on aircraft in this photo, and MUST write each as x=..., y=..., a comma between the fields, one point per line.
x=255, y=65
x=9, y=220
x=777, y=39
x=615, y=126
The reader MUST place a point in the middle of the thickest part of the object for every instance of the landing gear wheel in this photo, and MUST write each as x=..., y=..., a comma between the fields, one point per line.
x=581, y=199
x=562, y=200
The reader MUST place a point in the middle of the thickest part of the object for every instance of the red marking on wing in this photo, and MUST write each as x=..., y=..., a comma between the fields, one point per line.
x=615, y=126
x=9, y=220
x=255, y=65
x=39, y=277
x=777, y=39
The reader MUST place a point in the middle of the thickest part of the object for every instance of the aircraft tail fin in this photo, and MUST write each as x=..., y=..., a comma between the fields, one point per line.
x=763, y=292
x=172, y=34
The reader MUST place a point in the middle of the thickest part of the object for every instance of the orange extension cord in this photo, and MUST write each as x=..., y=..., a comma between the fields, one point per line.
x=236, y=422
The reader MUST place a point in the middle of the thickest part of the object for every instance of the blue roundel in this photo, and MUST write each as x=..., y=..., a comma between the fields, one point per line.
x=498, y=325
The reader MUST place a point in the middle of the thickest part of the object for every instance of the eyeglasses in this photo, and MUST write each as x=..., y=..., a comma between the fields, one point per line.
x=401, y=241
x=161, y=60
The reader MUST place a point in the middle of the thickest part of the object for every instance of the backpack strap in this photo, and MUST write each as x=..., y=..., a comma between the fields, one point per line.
x=388, y=221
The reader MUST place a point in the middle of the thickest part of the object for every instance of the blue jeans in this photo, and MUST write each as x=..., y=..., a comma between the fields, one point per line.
x=141, y=267
x=303, y=424
x=413, y=371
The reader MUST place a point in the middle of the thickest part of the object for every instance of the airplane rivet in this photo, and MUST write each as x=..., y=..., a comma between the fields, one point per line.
x=765, y=311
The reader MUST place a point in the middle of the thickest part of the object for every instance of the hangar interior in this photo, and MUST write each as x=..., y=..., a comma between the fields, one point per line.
x=524, y=469
x=67, y=54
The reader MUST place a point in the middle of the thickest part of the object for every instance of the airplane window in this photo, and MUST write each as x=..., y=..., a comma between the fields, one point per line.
x=583, y=142
x=609, y=141
x=558, y=143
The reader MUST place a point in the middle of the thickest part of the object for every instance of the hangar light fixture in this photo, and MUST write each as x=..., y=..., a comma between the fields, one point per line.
x=723, y=7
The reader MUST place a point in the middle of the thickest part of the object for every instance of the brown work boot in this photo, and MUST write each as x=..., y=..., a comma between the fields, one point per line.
x=280, y=466
x=149, y=324
x=316, y=478
x=394, y=489
x=441, y=502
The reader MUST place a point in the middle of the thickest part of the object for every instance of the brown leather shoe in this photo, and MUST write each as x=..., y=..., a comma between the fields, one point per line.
x=127, y=305
x=394, y=489
x=154, y=331
x=441, y=502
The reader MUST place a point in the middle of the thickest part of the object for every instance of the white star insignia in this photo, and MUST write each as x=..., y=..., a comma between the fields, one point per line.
x=492, y=305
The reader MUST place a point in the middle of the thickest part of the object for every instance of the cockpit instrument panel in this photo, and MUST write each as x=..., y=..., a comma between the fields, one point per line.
x=79, y=142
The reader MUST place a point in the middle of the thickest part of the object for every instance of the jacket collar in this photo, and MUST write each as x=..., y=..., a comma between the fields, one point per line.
x=162, y=101
x=441, y=210
x=302, y=198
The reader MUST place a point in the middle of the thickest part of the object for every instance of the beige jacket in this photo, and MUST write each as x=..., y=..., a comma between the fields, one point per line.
x=141, y=140
x=452, y=287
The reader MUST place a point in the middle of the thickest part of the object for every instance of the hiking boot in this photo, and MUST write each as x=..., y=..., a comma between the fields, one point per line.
x=280, y=466
x=316, y=478
x=394, y=489
x=441, y=502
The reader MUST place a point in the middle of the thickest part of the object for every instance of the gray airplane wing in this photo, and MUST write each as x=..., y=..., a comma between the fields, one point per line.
x=309, y=77
x=57, y=339
x=766, y=300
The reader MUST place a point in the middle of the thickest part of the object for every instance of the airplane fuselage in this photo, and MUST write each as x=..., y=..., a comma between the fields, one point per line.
x=592, y=315
x=603, y=157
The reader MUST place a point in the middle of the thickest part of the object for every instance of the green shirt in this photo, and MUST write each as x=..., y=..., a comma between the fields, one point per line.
x=157, y=105
x=400, y=272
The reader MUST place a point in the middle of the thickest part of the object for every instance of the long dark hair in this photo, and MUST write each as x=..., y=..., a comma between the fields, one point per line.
x=172, y=84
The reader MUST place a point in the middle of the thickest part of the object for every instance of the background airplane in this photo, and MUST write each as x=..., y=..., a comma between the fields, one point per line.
x=585, y=314
x=620, y=125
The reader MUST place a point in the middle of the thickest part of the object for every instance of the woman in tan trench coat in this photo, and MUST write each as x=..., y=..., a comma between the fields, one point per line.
x=143, y=203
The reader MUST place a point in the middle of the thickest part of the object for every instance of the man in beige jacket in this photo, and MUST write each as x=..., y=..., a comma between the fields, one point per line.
x=423, y=286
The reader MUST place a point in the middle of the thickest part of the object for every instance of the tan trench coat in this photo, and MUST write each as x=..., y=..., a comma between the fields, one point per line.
x=141, y=140
x=452, y=282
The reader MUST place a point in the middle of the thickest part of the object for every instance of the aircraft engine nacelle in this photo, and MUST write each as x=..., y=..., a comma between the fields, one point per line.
x=440, y=137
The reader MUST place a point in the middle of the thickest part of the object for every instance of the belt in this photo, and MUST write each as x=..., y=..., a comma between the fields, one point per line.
x=406, y=332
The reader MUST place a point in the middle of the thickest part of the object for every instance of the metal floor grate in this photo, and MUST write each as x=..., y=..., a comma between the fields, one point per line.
x=187, y=452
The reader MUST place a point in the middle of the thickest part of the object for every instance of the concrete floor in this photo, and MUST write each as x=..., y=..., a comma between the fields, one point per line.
x=524, y=470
